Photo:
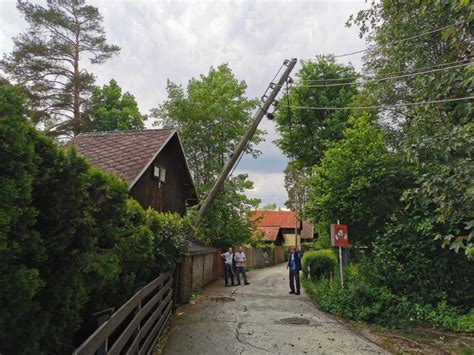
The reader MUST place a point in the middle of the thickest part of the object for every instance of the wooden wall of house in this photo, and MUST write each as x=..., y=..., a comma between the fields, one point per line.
x=171, y=195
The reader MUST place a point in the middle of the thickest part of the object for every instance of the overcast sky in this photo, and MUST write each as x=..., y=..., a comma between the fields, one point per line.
x=174, y=40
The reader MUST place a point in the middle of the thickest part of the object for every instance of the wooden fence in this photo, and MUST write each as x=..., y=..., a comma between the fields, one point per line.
x=257, y=258
x=135, y=327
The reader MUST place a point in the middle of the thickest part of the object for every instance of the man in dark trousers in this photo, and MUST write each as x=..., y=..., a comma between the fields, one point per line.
x=228, y=269
x=294, y=265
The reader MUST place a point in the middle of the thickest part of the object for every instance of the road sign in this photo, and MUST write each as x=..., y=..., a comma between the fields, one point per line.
x=339, y=235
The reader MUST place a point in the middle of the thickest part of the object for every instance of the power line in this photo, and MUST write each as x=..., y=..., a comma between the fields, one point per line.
x=384, y=106
x=369, y=77
x=395, y=42
x=388, y=78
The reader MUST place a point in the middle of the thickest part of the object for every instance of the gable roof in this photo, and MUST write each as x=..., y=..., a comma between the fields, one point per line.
x=270, y=234
x=282, y=219
x=126, y=154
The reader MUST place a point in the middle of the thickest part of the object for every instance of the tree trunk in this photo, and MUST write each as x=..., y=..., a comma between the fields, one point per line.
x=76, y=126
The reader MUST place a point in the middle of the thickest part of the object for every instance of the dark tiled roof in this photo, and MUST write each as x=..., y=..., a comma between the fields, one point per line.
x=124, y=154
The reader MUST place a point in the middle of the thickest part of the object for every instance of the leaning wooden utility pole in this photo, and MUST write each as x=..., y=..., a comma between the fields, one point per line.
x=261, y=111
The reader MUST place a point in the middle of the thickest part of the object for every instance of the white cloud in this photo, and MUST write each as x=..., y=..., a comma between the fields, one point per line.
x=179, y=40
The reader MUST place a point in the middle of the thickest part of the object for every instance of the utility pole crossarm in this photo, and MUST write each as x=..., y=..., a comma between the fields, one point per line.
x=261, y=111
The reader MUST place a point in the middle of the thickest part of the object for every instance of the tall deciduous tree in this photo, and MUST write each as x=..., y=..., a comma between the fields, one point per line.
x=48, y=60
x=110, y=110
x=212, y=115
x=437, y=138
x=359, y=181
x=307, y=133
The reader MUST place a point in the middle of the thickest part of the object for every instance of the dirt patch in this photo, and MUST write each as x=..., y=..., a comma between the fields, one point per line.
x=221, y=299
x=295, y=321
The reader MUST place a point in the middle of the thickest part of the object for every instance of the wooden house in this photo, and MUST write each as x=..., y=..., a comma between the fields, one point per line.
x=152, y=162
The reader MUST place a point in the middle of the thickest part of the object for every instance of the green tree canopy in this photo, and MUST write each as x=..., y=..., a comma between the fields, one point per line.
x=359, y=182
x=110, y=110
x=435, y=138
x=269, y=207
x=307, y=133
x=212, y=115
x=48, y=60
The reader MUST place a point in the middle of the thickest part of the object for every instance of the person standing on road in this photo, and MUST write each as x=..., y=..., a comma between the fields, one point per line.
x=294, y=265
x=240, y=259
x=228, y=269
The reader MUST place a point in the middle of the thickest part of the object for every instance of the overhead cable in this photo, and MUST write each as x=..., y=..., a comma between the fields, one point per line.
x=388, y=78
x=369, y=77
x=395, y=42
x=383, y=106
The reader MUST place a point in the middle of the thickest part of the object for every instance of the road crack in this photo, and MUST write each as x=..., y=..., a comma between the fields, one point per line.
x=244, y=342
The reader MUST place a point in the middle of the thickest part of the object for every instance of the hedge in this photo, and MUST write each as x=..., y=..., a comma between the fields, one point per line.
x=320, y=263
x=71, y=240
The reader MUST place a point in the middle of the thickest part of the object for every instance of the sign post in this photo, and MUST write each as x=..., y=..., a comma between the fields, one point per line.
x=339, y=238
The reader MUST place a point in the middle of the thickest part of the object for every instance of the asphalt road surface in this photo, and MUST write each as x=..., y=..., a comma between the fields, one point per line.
x=261, y=318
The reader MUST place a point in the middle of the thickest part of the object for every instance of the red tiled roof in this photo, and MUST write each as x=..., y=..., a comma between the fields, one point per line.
x=307, y=230
x=282, y=219
x=124, y=154
x=270, y=234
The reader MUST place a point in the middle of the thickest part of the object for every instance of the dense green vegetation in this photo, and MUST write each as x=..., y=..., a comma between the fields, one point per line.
x=212, y=114
x=71, y=241
x=110, y=110
x=318, y=263
x=400, y=176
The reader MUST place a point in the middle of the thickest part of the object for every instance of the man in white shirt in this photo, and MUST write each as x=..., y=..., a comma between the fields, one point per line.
x=240, y=259
x=228, y=270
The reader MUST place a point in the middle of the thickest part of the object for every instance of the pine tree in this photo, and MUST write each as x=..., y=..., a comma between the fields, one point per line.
x=47, y=59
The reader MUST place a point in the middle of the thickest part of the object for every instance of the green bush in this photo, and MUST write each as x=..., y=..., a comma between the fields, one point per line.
x=362, y=301
x=320, y=263
x=71, y=240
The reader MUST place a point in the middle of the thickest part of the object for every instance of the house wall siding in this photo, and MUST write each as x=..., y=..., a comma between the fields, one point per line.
x=169, y=196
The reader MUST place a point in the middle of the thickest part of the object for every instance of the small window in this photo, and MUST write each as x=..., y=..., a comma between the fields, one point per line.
x=162, y=174
x=159, y=173
x=156, y=172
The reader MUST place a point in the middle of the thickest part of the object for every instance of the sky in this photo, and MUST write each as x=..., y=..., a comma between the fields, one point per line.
x=178, y=40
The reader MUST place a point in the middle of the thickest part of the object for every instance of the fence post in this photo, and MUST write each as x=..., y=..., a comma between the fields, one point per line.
x=102, y=317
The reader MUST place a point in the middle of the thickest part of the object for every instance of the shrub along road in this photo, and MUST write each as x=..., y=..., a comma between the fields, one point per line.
x=261, y=318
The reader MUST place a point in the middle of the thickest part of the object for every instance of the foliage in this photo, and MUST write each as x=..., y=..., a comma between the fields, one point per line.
x=295, y=185
x=212, y=115
x=411, y=265
x=110, y=110
x=358, y=182
x=320, y=263
x=71, y=241
x=269, y=207
x=306, y=134
x=227, y=222
x=436, y=139
x=46, y=59
x=323, y=242
x=362, y=301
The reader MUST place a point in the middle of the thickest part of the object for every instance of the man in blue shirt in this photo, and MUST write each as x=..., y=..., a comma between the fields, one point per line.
x=294, y=265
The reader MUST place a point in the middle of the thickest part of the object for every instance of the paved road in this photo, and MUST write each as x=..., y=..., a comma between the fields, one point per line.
x=261, y=318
